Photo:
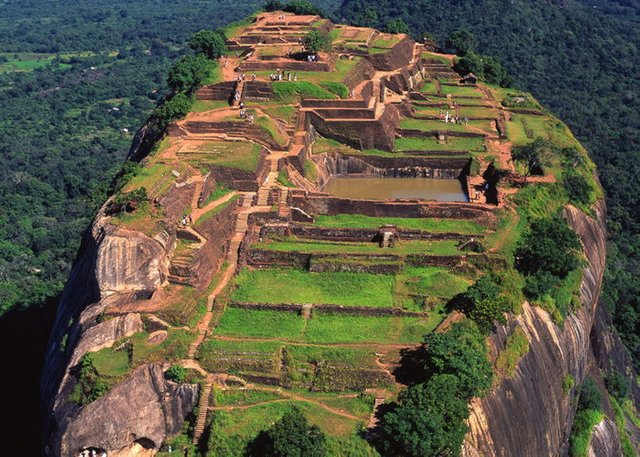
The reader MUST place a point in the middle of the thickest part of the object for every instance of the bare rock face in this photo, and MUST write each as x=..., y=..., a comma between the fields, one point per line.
x=128, y=260
x=144, y=409
x=113, y=263
x=529, y=414
x=604, y=440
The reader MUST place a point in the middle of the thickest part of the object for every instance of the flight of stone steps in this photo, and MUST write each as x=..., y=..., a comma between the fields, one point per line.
x=183, y=262
x=203, y=406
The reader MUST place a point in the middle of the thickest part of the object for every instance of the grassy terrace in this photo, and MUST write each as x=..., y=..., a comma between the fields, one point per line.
x=432, y=125
x=467, y=227
x=432, y=144
x=342, y=68
x=232, y=154
x=326, y=247
x=460, y=91
x=465, y=111
x=353, y=289
x=324, y=328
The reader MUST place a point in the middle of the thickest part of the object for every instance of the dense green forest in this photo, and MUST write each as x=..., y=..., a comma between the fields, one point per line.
x=77, y=79
x=580, y=59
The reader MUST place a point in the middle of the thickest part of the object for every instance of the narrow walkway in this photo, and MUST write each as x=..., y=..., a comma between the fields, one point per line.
x=203, y=409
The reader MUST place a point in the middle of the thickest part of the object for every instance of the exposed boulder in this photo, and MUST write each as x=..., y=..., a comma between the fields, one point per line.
x=142, y=410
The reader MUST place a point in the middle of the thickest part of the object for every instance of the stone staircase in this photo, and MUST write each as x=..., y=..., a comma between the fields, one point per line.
x=373, y=420
x=203, y=406
x=283, y=209
x=183, y=262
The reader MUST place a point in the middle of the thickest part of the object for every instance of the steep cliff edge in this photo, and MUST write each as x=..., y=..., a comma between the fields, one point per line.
x=531, y=413
x=112, y=264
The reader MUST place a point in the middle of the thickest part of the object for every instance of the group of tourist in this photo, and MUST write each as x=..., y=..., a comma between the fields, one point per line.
x=243, y=77
x=280, y=76
x=91, y=453
x=449, y=119
x=244, y=115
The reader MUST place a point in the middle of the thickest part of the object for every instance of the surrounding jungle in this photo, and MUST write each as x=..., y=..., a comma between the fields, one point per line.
x=77, y=79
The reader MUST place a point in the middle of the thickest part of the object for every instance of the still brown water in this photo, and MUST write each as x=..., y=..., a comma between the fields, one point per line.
x=444, y=190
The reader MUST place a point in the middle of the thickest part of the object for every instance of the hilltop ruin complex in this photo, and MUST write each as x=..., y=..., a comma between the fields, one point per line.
x=270, y=289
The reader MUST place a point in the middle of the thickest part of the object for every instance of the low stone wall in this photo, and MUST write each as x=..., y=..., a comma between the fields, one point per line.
x=285, y=65
x=221, y=91
x=346, y=113
x=257, y=91
x=372, y=311
x=338, y=264
x=333, y=164
x=362, y=235
x=333, y=103
x=317, y=203
x=410, y=133
x=424, y=260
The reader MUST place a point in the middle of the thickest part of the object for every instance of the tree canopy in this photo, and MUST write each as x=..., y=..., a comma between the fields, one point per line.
x=462, y=42
x=291, y=436
x=551, y=246
x=188, y=73
x=210, y=43
x=428, y=419
x=316, y=41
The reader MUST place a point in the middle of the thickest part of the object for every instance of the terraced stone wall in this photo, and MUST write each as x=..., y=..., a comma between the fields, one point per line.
x=360, y=134
x=318, y=203
x=218, y=231
x=398, y=56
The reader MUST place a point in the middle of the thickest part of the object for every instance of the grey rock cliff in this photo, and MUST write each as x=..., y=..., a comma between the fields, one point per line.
x=529, y=414
x=112, y=264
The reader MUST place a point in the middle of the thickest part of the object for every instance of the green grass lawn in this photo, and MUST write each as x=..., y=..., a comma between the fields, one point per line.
x=333, y=328
x=200, y=106
x=385, y=41
x=243, y=397
x=343, y=67
x=260, y=324
x=356, y=289
x=209, y=214
x=477, y=111
x=156, y=179
x=326, y=247
x=429, y=125
x=434, y=282
x=111, y=363
x=429, y=87
x=271, y=128
x=286, y=113
x=302, y=355
x=292, y=91
x=220, y=191
x=173, y=348
x=460, y=91
x=232, y=154
x=426, y=224
x=431, y=56
x=431, y=144
x=246, y=423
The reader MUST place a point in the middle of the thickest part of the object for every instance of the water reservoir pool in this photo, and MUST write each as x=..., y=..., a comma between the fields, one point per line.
x=444, y=190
